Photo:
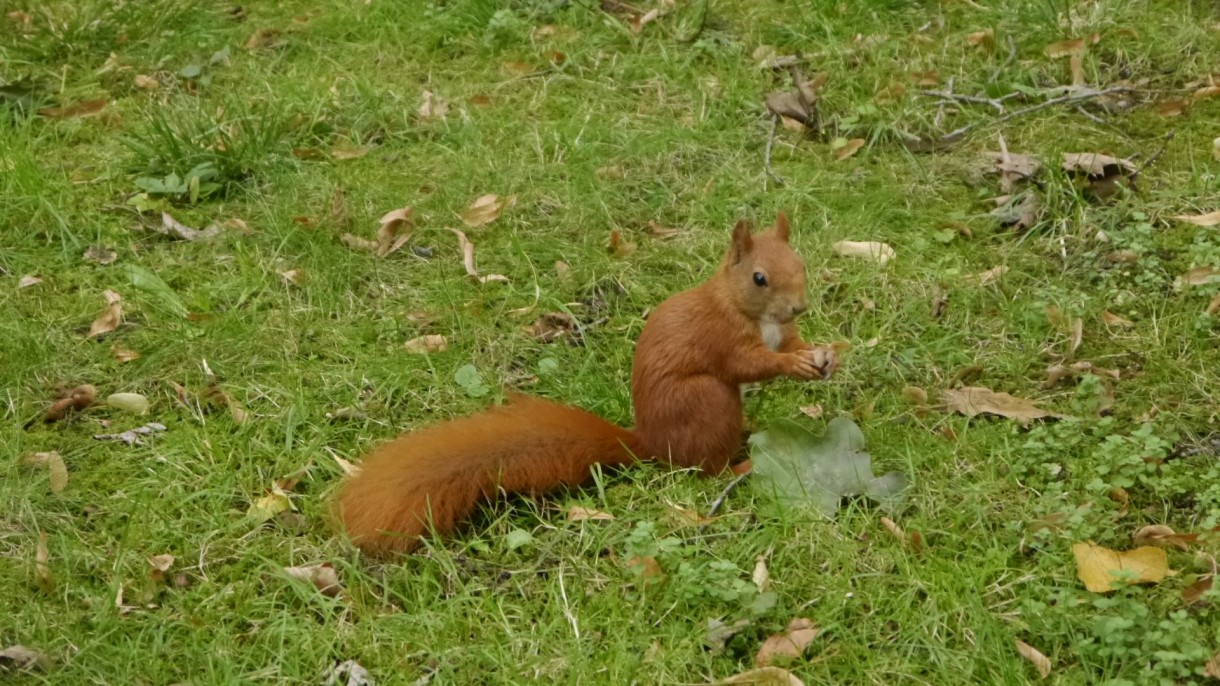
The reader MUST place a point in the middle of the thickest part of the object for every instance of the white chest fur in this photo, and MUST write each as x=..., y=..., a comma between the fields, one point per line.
x=772, y=334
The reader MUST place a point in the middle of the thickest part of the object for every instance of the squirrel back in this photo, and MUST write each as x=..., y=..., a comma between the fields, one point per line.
x=696, y=350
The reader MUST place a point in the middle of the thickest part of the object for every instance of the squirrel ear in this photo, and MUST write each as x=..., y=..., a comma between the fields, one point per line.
x=781, y=227
x=742, y=242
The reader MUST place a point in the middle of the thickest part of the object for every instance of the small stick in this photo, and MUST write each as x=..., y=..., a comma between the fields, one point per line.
x=767, y=155
x=724, y=494
x=1155, y=156
x=1071, y=97
x=974, y=99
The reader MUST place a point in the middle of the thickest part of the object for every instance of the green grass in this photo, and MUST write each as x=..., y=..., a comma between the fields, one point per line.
x=678, y=108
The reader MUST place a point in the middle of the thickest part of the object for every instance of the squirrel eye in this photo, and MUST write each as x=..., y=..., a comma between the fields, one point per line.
x=759, y=279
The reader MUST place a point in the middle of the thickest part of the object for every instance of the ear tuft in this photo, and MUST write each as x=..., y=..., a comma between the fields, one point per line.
x=781, y=226
x=743, y=243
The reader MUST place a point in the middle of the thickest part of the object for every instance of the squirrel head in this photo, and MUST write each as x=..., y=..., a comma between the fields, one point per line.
x=764, y=276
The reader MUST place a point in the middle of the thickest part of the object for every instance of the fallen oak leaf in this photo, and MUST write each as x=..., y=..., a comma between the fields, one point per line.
x=27, y=281
x=1035, y=657
x=1103, y=570
x=578, y=513
x=486, y=209
x=1197, y=276
x=1162, y=536
x=552, y=326
x=975, y=400
x=1111, y=319
x=394, y=230
x=21, y=658
x=132, y=436
x=55, y=466
x=1208, y=219
x=788, y=645
x=214, y=393
x=86, y=108
x=881, y=253
x=468, y=260
x=1096, y=164
x=1194, y=593
x=159, y=565
x=432, y=343
x=844, y=149
x=269, y=505
x=176, y=229
x=322, y=576
x=764, y=676
x=110, y=318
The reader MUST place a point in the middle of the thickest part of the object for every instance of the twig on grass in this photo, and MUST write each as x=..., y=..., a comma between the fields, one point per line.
x=723, y=495
x=1061, y=100
x=779, y=181
x=1152, y=158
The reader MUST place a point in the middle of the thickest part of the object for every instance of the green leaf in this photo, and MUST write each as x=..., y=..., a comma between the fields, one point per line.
x=798, y=468
x=518, y=538
x=468, y=377
x=152, y=284
x=547, y=366
x=191, y=71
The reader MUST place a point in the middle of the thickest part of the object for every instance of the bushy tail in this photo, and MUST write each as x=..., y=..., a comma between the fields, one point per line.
x=435, y=477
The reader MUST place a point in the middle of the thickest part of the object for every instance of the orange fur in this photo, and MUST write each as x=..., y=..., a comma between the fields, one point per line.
x=694, y=353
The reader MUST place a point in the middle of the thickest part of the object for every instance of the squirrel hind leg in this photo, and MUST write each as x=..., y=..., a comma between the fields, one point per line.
x=686, y=443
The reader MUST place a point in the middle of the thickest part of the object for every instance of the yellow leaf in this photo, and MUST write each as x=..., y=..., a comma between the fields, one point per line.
x=485, y=209
x=1209, y=219
x=872, y=250
x=1103, y=570
x=1040, y=661
x=269, y=505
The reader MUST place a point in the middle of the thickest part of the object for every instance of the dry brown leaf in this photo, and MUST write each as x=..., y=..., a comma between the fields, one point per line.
x=123, y=354
x=1101, y=568
x=1076, y=67
x=1111, y=319
x=323, y=577
x=357, y=243
x=577, y=513
x=986, y=278
x=662, y=232
x=173, y=228
x=433, y=107
x=895, y=530
x=263, y=38
x=110, y=318
x=1012, y=167
x=432, y=343
x=1175, y=107
x=1020, y=211
x=394, y=230
x=1198, y=276
x=1212, y=667
x=1063, y=48
x=159, y=565
x=1207, y=92
x=75, y=399
x=42, y=564
x=638, y=23
x=553, y=326
x=789, y=645
x=880, y=253
x=293, y=277
x=87, y=108
x=1194, y=593
x=215, y=394
x=518, y=68
x=480, y=100
x=19, y=657
x=1208, y=219
x=1096, y=164
x=1119, y=495
x=1214, y=306
x=684, y=516
x=343, y=153
x=761, y=576
x=766, y=676
x=147, y=83
x=100, y=255
x=982, y=39
x=812, y=411
x=976, y=400
x=915, y=395
x=890, y=94
x=22, y=20
x=847, y=149
x=618, y=246
x=268, y=506
x=647, y=568
x=485, y=209
x=1163, y=537
x=1036, y=658
x=28, y=280
x=928, y=79
x=468, y=260
x=614, y=171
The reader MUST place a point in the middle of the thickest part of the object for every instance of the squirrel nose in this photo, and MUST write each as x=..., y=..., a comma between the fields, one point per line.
x=798, y=309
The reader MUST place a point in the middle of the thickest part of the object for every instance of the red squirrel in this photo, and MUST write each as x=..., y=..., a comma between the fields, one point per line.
x=696, y=350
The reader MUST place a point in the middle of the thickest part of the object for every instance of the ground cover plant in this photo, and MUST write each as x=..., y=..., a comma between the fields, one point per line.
x=241, y=244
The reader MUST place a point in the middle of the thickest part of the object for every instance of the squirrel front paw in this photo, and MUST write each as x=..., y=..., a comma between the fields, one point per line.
x=804, y=364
